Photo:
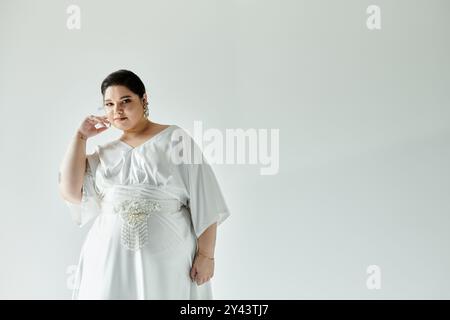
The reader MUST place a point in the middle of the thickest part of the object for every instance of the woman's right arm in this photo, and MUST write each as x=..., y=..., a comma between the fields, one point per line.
x=73, y=165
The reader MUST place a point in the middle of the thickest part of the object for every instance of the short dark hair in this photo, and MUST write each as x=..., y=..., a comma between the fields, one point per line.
x=124, y=78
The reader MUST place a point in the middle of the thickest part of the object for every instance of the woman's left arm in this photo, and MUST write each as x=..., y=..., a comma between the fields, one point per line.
x=207, y=241
x=203, y=266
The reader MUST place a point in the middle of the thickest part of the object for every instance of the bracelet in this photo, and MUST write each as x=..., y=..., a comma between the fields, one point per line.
x=199, y=253
x=81, y=136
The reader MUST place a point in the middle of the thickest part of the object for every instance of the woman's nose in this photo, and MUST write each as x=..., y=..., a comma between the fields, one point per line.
x=117, y=108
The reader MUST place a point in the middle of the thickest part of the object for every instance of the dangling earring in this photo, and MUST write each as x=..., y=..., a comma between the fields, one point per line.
x=146, y=112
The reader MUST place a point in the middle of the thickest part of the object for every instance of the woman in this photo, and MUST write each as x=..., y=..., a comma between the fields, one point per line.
x=154, y=217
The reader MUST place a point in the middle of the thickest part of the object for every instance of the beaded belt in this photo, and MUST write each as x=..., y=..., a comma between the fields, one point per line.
x=134, y=214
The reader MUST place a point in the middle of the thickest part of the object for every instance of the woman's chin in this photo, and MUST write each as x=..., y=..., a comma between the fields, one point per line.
x=122, y=123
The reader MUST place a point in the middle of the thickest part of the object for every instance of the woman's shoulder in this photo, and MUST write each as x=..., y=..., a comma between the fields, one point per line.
x=111, y=145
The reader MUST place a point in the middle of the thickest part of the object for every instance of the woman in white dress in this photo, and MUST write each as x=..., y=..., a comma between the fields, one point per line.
x=155, y=209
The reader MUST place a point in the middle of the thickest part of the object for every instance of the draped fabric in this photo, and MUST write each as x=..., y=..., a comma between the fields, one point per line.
x=189, y=200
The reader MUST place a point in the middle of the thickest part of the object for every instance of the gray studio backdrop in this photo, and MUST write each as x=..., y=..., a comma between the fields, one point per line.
x=359, y=207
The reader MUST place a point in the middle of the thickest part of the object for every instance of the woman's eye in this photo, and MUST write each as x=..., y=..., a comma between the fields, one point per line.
x=124, y=101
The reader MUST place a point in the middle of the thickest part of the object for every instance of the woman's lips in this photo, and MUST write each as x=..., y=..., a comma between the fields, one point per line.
x=120, y=119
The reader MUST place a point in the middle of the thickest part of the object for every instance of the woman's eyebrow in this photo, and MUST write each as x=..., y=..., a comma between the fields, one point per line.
x=120, y=98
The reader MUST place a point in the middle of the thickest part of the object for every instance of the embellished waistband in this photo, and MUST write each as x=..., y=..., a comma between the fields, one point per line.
x=134, y=213
x=141, y=205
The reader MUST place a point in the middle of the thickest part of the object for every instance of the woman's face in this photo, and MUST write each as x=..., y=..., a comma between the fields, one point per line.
x=123, y=108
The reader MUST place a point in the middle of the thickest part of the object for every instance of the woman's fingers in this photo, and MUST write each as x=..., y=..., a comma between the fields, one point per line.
x=105, y=120
x=101, y=129
x=201, y=281
x=100, y=119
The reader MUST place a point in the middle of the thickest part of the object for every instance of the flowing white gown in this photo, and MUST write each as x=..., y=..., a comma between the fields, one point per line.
x=148, y=211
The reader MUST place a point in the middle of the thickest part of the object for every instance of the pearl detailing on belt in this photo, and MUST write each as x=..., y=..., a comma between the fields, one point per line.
x=134, y=214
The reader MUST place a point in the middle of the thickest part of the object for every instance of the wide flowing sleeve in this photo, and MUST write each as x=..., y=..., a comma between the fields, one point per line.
x=206, y=201
x=90, y=205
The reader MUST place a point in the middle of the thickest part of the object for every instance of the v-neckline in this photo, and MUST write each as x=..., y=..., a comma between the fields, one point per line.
x=146, y=141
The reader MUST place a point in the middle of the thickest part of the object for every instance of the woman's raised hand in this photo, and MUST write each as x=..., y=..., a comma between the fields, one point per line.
x=88, y=129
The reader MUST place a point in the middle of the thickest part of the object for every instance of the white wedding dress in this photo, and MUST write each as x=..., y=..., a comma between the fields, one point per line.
x=147, y=212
